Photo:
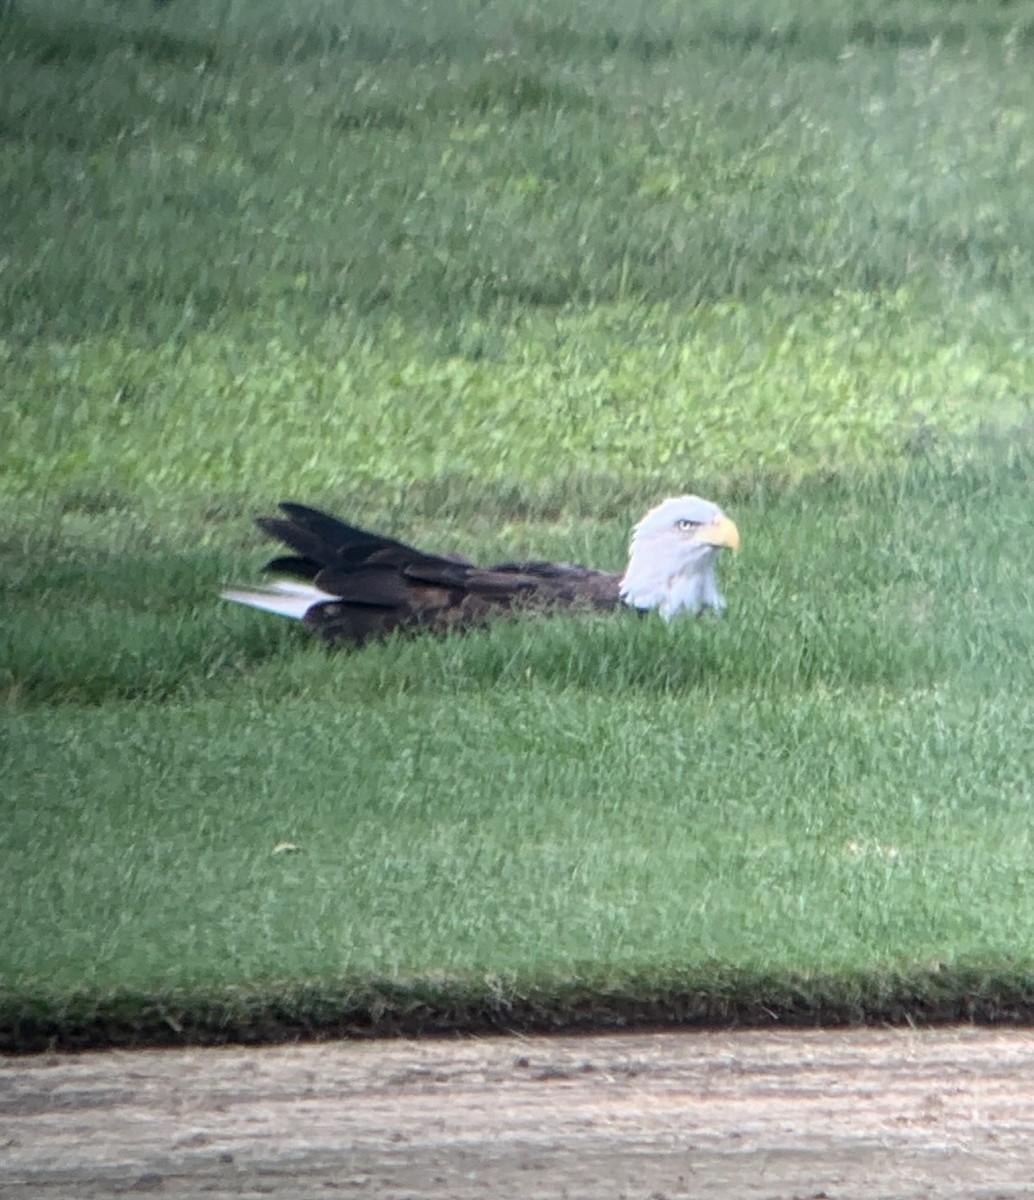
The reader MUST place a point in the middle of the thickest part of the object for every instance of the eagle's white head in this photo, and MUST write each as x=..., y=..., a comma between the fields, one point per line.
x=672, y=555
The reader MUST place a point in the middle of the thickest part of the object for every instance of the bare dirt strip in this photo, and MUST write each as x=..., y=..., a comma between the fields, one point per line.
x=866, y=1113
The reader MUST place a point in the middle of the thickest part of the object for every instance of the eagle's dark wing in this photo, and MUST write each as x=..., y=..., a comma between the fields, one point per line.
x=376, y=585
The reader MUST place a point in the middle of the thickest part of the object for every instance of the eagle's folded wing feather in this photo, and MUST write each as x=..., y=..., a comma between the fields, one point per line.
x=367, y=586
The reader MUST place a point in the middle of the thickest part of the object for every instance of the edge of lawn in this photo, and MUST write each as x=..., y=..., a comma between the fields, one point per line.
x=708, y=998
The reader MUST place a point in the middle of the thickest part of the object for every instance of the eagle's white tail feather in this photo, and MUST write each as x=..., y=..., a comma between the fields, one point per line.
x=283, y=598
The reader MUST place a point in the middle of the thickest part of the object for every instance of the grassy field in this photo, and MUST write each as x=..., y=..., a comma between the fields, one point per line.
x=496, y=276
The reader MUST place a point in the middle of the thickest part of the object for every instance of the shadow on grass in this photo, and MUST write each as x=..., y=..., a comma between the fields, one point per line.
x=52, y=43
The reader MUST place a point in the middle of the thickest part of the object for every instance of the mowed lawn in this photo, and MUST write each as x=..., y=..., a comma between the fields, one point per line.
x=495, y=278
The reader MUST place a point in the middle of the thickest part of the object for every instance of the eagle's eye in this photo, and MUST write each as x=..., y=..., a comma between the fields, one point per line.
x=684, y=525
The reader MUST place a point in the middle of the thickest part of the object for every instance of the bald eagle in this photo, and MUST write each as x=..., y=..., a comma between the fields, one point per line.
x=348, y=585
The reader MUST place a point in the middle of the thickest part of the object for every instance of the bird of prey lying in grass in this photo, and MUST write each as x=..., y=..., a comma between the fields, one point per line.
x=349, y=586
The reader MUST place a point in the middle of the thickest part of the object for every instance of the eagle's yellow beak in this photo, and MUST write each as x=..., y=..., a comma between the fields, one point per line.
x=722, y=532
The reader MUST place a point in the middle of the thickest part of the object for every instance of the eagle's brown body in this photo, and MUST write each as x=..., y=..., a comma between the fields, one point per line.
x=374, y=585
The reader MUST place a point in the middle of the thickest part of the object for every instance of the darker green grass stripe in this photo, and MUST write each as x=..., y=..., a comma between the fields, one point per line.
x=715, y=997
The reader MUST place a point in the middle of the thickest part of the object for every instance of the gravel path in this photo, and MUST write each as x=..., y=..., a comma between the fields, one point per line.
x=866, y=1113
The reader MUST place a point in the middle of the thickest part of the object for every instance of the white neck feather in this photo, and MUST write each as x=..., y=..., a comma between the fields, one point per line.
x=654, y=579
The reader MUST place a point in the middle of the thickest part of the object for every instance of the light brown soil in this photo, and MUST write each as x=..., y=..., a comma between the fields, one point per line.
x=868, y=1113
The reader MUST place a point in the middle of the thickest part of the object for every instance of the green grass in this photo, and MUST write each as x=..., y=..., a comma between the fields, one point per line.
x=817, y=834
x=496, y=277
x=256, y=249
x=827, y=788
